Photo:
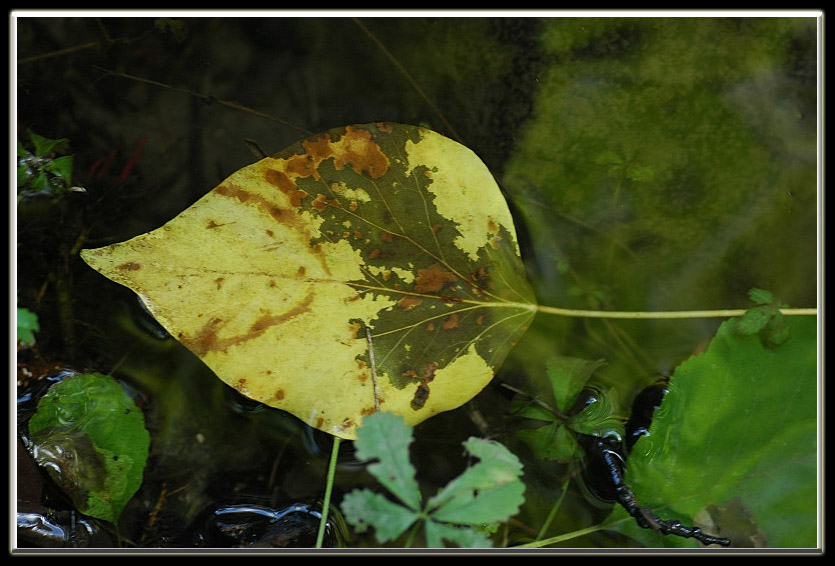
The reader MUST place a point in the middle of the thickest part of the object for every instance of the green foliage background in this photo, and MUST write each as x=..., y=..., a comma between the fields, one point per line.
x=652, y=164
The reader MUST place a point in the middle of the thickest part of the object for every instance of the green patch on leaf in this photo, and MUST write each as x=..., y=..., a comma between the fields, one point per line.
x=91, y=439
x=486, y=493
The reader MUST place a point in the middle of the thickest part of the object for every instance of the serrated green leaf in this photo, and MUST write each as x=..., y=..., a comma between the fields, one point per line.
x=363, y=508
x=386, y=437
x=44, y=145
x=486, y=492
x=739, y=422
x=61, y=167
x=754, y=319
x=761, y=296
x=91, y=437
x=437, y=533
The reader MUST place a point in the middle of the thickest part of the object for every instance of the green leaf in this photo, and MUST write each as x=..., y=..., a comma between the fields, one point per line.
x=487, y=492
x=27, y=325
x=61, y=167
x=43, y=146
x=736, y=435
x=551, y=442
x=761, y=296
x=754, y=320
x=437, y=533
x=363, y=508
x=386, y=227
x=92, y=440
x=386, y=438
x=568, y=376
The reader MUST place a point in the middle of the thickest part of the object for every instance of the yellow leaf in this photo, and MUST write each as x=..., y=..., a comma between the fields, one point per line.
x=370, y=267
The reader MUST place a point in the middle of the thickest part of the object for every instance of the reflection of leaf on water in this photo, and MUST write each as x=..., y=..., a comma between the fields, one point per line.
x=274, y=276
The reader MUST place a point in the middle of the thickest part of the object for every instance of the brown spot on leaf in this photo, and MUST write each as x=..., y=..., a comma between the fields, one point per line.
x=491, y=226
x=450, y=322
x=435, y=228
x=319, y=203
x=129, y=266
x=357, y=235
x=480, y=320
x=286, y=186
x=219, y=282
x=374, y=254
x=207, y=338
x=353, y=205
x=480, y=274
x=432, y=279
x=407, y=303
x=212, y=224
x=269, y=233
x=301, y=271
x=387, y=236
x=319, y=422
x=279, y=394
x=357, y=150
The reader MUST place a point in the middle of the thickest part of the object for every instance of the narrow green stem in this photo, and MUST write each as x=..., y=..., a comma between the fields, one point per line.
x=553, y=512
x=328, y=489
x=655, y=315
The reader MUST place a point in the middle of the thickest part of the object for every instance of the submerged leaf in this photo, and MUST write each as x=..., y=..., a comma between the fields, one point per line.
x=274, y=276
x=91, y=438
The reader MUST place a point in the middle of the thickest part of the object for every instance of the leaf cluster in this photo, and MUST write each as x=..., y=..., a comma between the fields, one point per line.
x=595, y=415
x=766, y=320
x=41, y=169
x=461, y=513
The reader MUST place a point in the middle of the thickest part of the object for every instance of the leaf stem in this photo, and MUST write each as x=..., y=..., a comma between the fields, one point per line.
x=654, y=315
x=323, y=523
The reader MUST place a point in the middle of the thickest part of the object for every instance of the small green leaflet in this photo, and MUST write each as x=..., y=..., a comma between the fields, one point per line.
x=27, y=325
x=487, y=492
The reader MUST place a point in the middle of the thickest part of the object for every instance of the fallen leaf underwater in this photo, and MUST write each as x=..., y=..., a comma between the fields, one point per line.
x=370, y=267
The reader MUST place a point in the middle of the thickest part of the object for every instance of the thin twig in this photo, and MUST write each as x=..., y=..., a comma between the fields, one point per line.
x=409, y=78
x=208, y=99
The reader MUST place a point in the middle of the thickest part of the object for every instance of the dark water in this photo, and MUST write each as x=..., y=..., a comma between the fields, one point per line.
x=651, y=164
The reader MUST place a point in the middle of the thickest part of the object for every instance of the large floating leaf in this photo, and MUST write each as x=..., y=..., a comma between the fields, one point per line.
x=274, y=277
x=733, y=446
